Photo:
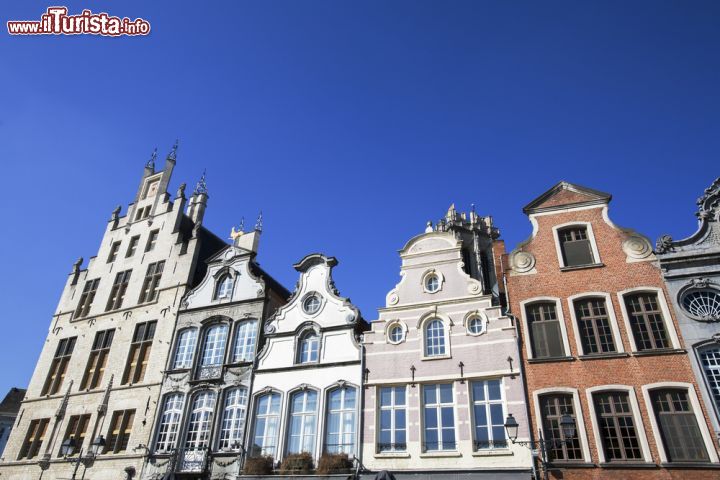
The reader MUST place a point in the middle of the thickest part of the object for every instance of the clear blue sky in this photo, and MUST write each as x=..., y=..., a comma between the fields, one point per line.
x=350, y=124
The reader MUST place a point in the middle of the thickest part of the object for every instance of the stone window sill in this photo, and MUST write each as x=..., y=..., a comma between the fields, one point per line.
x=601, y=356
x=551, y=359
x=504, y=452
x=441, y=454
x=572, y=465
x=436, y=357
x=392, y=455
x=664, y=351
x=581, y=267
x=690, y=465
x=629, y=465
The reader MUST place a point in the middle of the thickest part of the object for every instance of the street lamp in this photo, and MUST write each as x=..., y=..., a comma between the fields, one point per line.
x=567, y=427
x=67, y=448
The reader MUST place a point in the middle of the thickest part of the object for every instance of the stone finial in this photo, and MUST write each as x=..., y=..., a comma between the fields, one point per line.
x=172, y=155
x=259, y=223
x=428, y=227
x=151, y=163
x=201, y=186
x=181, y=191
x=76, y=265
x=116, y=214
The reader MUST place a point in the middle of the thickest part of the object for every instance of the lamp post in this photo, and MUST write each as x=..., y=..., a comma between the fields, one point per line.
x=567, y=427
x=68, y=448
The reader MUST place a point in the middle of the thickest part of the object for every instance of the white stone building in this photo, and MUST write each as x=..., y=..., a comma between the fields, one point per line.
x=443, y=363
x=200, y=424
x=97, y=380
x=306, y=393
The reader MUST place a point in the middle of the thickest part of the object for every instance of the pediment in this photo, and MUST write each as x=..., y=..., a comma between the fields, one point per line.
x=564, y=195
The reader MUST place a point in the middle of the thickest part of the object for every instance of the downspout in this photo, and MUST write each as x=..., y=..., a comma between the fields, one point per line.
x=361, y=423
x=521, y=365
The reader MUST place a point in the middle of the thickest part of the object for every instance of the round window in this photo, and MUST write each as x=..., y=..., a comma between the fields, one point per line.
x=311, y=305
x=702, y=304
x=396, y=334
x=432, y=283
x=475, y=326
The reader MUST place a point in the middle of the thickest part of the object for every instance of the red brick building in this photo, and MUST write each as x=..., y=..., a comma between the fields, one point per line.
x=600, y=343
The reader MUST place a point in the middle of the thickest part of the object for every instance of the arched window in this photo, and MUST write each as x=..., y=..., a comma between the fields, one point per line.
x=710, y=359
x=214, y=346
x=267, y=421
x=434, y=338
x=185, y=348
x=169, y=423
x=224, y=287
x=341, y=421
x=245, y=337
x=309, y=347
x=198, y=427
x=303, y=422
x=233, y=418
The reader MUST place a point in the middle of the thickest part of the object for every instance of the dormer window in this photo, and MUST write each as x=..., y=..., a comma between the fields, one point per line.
x=311, y=305
x=224, y=287
x=309, y=348
x=576, y=246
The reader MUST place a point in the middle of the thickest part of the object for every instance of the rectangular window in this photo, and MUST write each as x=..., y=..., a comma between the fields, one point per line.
x=439, y=417
x=118, y=435
x=488, y=414
x=142, y=213
x=150, y=284
x=114, y=248
x=98, y=359
x=710, y=359
x=139, y=352
x=117, y=294
x=152, y=240
x=594, y=326
x=544, y=328
x=77, y=425
x=646, y=321
x=552, y=408
x=575, y=246
x=34, y=438
x=678, y=426
x=617, y=427
x=59, y=365
x=87, y=297
x=132, y=246
x=392, y=426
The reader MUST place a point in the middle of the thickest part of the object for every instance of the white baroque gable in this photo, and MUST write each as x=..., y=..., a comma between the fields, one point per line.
x=315, y=279
x=235, y=262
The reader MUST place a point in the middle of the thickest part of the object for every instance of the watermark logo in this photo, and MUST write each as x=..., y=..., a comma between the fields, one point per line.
x=56, y=21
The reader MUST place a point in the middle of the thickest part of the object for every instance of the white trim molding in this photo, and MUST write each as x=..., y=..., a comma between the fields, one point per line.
x=697, y=410
x=637, y=417
x=667, y=318
x=617, y=338
x=579, y=417
x=591, y=237
x=526, y=330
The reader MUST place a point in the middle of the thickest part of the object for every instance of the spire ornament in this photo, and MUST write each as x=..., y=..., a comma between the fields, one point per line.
x=259, y=223
x=173, y=152
x=151, y=163
x=201, y=186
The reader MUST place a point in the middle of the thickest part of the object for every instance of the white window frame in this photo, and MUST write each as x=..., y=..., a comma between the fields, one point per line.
x=238, y=418
x=299, y=344
x=303, y=414
x=591, y=237
x=392, y=409
x=251, y=324
x=707, y=393
x=174, y=424
x=226, y=293
x=637, y=418
x=561, y=318
x=697, y=410
x=617, y=338
x=471, y=316
x=447, y=324
x=486, y=404
x=306, y=297
x=667, y=318
x=356, y=414
x=208, y=420
x=436, y=406
x=187, y=351
x=388, y=331
x=580, y=429
x=201, y=360
x=278, y=437
x=440, y=278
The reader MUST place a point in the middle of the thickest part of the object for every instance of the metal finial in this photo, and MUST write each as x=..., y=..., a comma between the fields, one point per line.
x=242, y=224
x=173, y=152
x=151, y=162
x=201, y=186
x=472, y=207
x=259, y=223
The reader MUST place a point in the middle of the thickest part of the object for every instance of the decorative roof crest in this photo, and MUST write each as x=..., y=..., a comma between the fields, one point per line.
x=201, y=186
